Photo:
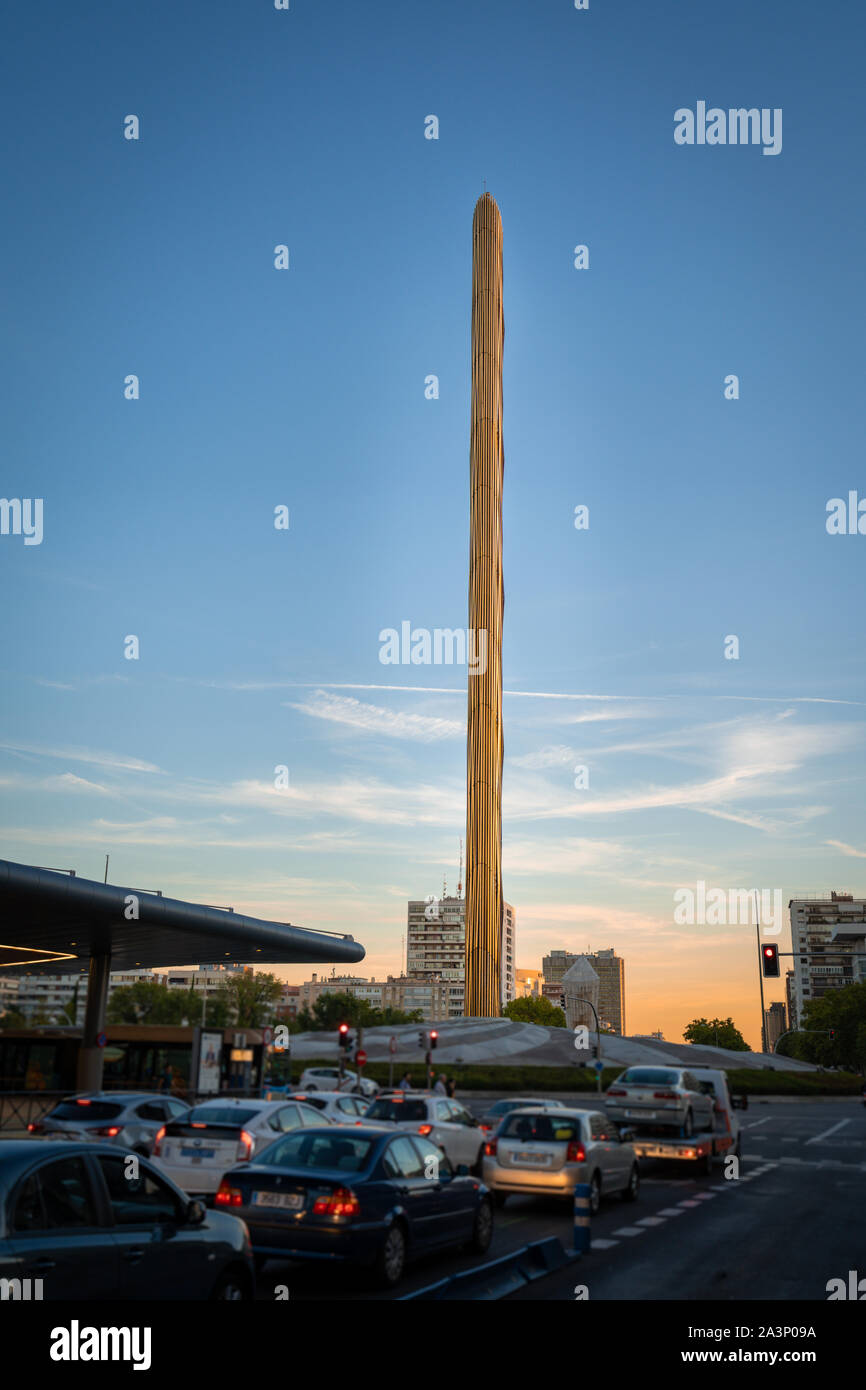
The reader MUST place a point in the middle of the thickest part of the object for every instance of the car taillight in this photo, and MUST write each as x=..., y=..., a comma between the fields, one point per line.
x=425, y=1129
x=612, y=1092
x=341, y=1202
x=110, y=1131
x=246, y=1146
x=35, y=1127
x=490, y=1148
x=227, y=1196
x=160, y=1135
x=665, y=1095
x=575, y=1153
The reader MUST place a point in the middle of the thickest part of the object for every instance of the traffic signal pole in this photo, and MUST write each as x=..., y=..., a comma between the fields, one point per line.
x=764, y=1047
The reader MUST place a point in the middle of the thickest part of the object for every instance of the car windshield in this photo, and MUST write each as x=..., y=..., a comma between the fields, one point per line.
x=84, y=1110
x=397, y=1110
x=318, y=1151
x=544, y=1129
x=650, y=1076
x=218, y=1115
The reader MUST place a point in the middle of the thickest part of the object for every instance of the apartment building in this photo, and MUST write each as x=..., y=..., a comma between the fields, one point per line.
x=828, y=938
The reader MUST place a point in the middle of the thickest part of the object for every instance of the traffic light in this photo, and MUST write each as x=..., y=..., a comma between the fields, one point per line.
x=343, y=1035
x=770, y=961
x=831, y=1033
x=422, y=1039
x=434, y=1038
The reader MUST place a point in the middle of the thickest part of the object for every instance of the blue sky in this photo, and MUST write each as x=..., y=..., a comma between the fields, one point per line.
x=305, y=387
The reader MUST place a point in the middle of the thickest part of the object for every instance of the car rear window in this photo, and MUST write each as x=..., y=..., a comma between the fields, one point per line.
x=84, y=1110
x=219, y=1115
x=318, y=1151
x=409, y=1111
x=544, y=1129
x=650, y=1076
x=318, y=1101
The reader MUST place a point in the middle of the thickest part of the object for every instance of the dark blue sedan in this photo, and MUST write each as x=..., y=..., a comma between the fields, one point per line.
x=357, y=1194
x=84, y=1220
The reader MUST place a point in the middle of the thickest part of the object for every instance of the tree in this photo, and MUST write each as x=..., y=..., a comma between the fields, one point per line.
x=148, y=1002
x=841, y=1012
x=716, y=1032
x=534, y=1009
x=249, y=998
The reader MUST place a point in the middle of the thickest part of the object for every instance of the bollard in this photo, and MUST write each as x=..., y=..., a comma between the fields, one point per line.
x=582, y=1234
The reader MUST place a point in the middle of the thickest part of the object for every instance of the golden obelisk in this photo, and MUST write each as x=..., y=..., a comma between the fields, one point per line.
x=486, y=604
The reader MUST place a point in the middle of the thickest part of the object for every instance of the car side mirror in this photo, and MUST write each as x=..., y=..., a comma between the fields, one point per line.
x=462, y=1170
x=196, y=1213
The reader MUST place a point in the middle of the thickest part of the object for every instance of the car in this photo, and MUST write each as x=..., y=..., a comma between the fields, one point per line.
x=500, y=1108
x=445, y=1122
x=197, y=1149
x=342, y=1108
x=666, y=1097
x=332, y=1079
x=129, y=1119
x=80, y=1221
x=546, y=1152
x=370, y=1197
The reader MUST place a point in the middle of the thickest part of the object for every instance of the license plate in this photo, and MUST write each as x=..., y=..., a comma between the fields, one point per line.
x=532, y=1160
x=197, y=1154
x=287, y=1201
x=640, y=1114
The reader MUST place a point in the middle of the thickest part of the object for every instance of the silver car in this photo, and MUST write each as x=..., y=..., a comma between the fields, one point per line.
x=546, y=1152
x=129, y=1119
x=664, y=1097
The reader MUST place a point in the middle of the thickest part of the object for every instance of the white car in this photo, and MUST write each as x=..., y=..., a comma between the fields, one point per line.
x=332, y=1079
x=446, y=1122
x=547, y=1152
x=196, y=1150
x=342, y=1108
x=664, y=1097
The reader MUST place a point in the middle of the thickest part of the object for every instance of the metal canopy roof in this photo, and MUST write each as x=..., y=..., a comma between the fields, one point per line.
x=53, y=922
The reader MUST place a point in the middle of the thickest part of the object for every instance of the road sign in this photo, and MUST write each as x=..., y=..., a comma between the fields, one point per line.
x=392, y=1046
x=360, y=1057
x=101, y=1040
x=599, y=1066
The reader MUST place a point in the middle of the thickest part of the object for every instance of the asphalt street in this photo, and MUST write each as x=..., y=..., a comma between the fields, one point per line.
x=794, y=1219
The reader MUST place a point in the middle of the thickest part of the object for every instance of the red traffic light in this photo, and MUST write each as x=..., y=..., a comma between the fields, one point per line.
x=770, y=961
x=434, y=1034
x=344, y=1028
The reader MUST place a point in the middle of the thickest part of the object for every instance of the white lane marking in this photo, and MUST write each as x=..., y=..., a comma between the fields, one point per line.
x=832, y=1130
x=705, y=1196
x=754, y=1123
x=723, y=1186
x=760, y=1138
x=630, y=1231
x=650, y=1221
x=602, y=1244
x=671, y=1211
x=687, y=1204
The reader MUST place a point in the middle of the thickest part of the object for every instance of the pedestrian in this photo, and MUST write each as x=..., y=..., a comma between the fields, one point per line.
x=405, y=1082
x=166, y=1079
x=451, y=1087
x=440, y=1087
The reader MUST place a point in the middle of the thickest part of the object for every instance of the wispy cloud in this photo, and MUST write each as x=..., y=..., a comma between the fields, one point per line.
x=341, y=709
x=82, y=755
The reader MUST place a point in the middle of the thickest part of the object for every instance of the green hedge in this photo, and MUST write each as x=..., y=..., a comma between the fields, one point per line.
x=531, y=1080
